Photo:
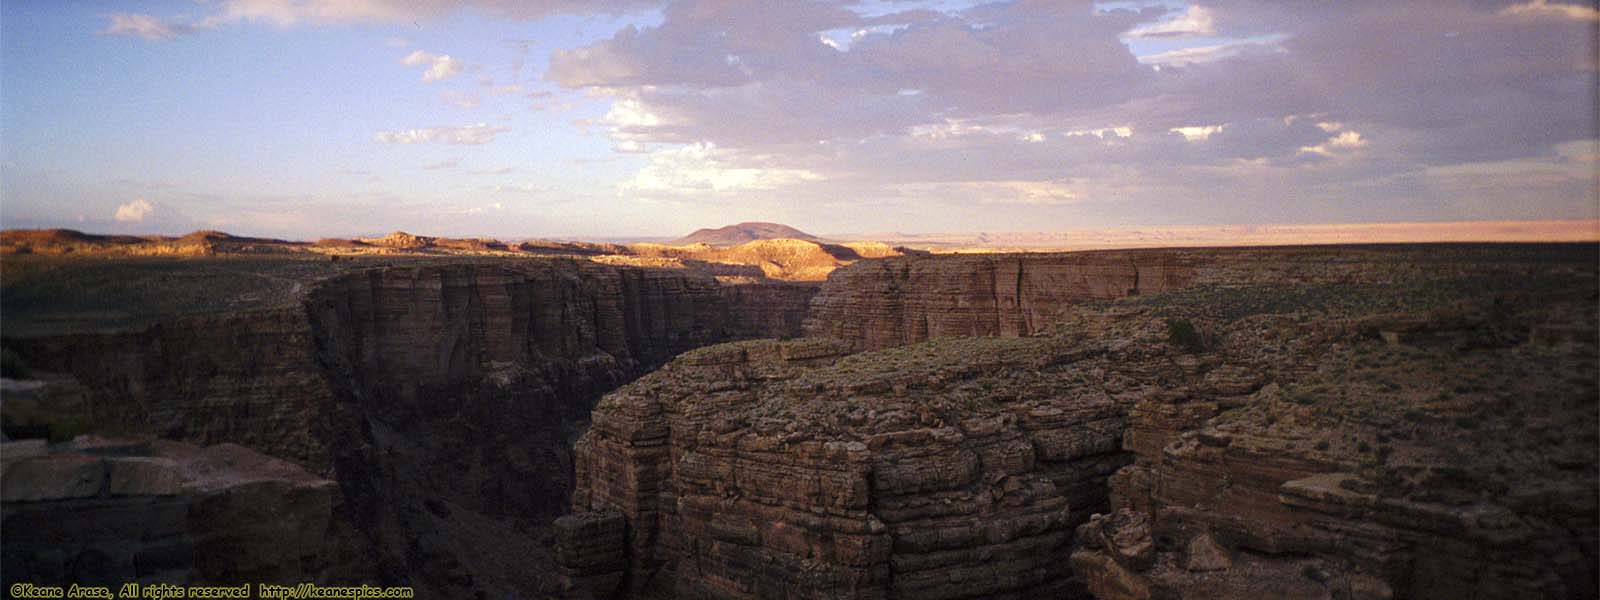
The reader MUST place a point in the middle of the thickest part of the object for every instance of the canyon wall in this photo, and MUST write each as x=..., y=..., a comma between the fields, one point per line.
x=902, y=300
x=950, y=469
x=443, y=398
x=767, y=309
x=99, y=512
x=460, y=391
x=1363, y=423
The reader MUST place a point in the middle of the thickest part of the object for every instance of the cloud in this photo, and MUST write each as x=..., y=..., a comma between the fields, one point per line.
x=467, y=135
x=697, y=169
x=1543, y=8
x=440, y=66
x=460, y=99
x=293, y=13
x=134, y=211
x=145, y=26
x=443, y=164
x=1196, y=133
x=494, y=171
x=1212, y=52
x=1345, y=141
x=1193, y=21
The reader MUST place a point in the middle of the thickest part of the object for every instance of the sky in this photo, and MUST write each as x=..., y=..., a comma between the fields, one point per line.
x=304, y=119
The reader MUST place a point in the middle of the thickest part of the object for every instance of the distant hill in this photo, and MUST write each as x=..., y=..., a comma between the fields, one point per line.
x=734, y=235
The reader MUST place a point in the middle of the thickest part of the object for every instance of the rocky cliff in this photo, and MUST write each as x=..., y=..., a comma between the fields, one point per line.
x=1328, y=423
x=949, y=469
x=442, y=397
x=767, y=309
x=98, y=512
x=902, y=300
x=458, y=394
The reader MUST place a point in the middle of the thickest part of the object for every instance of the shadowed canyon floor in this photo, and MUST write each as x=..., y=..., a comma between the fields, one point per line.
x=1414, y=421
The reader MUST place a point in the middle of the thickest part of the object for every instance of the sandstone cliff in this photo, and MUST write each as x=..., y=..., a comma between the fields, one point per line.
x=767, y=309
x=904, y=300
x=442, y=397
x=1305, y=423
x=100, y=512
x=950, y=469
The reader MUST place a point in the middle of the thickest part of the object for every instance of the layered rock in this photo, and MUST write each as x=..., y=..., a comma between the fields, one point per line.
x=443, y=397
x=902, y=300
x=953, y=469
x=767, y=309
x=1427, y=453
x=459, y=393
x=102, y=512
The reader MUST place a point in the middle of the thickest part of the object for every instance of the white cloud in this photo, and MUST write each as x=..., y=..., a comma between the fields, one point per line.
x=440, y=66
x=1348, y=140
x=494, y=171
x=697, y=168
x=134, y=211
x=1543, y=8
x=630, y=113
x=1196, y=21
x=467, y=135
x=443, y=164
x=145, y=26
x=459, y=99
x=1211, y=53
x=1013, y=192
x=1196, y=134
x=1120, y=132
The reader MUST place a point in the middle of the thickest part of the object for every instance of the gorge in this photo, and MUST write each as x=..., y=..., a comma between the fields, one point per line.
x=1294, y=422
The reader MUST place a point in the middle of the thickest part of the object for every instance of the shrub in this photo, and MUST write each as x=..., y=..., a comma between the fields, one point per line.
x=1181, y=333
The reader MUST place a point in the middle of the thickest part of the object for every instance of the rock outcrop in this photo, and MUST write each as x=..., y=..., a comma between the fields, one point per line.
x=1358, y=423
x=950, y=469
x=100, y=512
x=903, y=300
x=767, y=309
x=443, y=398
x=1340, y=422
x=1442, y=450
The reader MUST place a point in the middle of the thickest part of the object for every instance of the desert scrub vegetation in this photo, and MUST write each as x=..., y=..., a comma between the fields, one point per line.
x=1182, y=333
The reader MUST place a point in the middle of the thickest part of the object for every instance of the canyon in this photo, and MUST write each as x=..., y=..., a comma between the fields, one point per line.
x=1414, y=421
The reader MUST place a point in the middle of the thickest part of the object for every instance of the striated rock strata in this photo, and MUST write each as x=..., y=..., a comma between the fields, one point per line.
x=1441, y=450
x=443, y=398
x=903, y=300
x=951, y=469
x=106, y=512
x=767, y=309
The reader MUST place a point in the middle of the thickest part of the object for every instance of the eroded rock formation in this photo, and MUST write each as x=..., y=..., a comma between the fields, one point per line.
x=903, y=300
x=101, y=512
x=443, y=398
x=767, y=309
x=951, y=469
x=1346, y=423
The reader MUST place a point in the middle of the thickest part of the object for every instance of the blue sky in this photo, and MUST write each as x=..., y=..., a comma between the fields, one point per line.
x=312, y=118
